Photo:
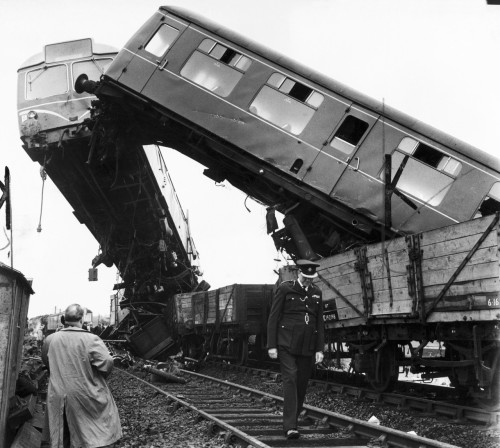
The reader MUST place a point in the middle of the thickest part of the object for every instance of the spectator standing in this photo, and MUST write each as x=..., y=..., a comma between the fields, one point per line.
x=40, y=337
x=81, y=410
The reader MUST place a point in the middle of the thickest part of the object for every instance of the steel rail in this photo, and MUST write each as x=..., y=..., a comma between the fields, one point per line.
x=252, y=441
x=425, y=405
x=365, y=431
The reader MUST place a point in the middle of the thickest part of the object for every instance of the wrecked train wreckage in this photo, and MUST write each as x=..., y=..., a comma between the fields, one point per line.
x=110, y=182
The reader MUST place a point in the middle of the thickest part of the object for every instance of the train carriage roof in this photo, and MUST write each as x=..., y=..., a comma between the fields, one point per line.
x=39, y=58
x=339, y=88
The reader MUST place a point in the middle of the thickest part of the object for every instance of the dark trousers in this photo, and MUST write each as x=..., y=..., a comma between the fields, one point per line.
x=295, y=373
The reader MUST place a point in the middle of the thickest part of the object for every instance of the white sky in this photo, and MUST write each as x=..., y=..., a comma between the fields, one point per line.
x=438, y=61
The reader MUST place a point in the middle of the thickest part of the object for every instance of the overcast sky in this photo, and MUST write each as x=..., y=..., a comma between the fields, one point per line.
x=438, y=61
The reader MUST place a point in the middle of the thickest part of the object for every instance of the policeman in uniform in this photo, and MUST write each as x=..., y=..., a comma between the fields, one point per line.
x=295, y=335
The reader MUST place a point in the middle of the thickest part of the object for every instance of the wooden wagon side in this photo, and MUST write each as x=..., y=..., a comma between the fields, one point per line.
x=446, y=274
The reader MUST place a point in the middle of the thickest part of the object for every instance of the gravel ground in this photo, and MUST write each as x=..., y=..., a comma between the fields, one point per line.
x=146, y=423
x=464, y=435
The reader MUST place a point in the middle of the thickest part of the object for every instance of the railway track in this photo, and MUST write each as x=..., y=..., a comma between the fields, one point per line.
x=248, y=417
x=427, y=399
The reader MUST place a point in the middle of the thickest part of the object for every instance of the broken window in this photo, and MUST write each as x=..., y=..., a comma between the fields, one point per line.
x=430, y=156
x=349, y=134
x=286, y=103
x=93, y=69
x=420, y=180
x=46, y=81
x=216, y=67
x=491, y=203
x=162, y=40
x=427, y=174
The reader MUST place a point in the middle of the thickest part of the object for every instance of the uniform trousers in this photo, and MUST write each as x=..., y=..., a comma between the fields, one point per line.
x=295, y=373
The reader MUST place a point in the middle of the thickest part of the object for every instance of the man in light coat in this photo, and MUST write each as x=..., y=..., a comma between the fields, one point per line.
x=81, y=410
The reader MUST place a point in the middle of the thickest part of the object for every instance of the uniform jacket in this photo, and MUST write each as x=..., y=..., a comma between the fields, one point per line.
x=296, y=319
x=79, y=362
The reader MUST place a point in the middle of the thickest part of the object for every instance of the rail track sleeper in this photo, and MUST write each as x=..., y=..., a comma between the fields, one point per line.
x=239, y=416
x=277, y=441
x=234, y=410
x=330, y=421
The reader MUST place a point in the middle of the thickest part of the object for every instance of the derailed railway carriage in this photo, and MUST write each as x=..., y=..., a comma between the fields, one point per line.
x=132, y=211
x=341, y=167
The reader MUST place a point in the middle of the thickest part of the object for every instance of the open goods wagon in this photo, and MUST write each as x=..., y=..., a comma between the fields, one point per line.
x=385, y=302
x=229, y=322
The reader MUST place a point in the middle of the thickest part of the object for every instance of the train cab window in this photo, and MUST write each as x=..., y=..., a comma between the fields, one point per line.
x=286, y=103
x=427, y=173
x=93, y=68
x=216, y=67
x=46, y=81
x=349, y=134
x=491, y=203
x=162, y=40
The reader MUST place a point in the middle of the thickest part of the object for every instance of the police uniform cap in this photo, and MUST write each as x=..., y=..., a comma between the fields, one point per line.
x=307, y=268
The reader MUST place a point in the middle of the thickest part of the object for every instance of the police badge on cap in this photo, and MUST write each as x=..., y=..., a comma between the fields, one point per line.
x=307, y=268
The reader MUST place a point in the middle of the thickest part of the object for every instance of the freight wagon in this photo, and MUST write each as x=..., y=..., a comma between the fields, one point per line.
x=228, y=322
x=15, y=292
x=385, y=300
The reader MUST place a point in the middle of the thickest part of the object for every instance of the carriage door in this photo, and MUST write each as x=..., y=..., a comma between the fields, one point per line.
x=340, y=151
x=147, y=51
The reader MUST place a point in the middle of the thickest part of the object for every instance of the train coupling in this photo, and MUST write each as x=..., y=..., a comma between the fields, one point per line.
x=83, y=84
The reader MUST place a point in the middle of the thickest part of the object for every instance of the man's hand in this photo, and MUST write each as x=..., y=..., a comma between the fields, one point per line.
x=273, y=353
x=319, y=357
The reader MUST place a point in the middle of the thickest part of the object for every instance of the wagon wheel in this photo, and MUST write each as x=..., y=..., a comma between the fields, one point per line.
x=492, y=360
x=195, y=348
x=461, y=389
x=385, y=372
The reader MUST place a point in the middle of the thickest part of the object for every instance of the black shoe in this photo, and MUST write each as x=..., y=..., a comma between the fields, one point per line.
x=292, y=434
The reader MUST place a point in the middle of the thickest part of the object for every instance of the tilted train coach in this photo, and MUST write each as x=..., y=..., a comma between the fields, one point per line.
x=341, y=167
x=132, y=211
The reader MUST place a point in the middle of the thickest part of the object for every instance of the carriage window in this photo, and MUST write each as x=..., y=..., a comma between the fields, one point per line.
x=349, y=134
x=420, y=180
x=491, y=203
x=290, y=107
x=430, y=156
x=93, y=69
x=46, y=81
x=162, y=40
x=283, y=111
x=224, y=54
x=216, y=67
